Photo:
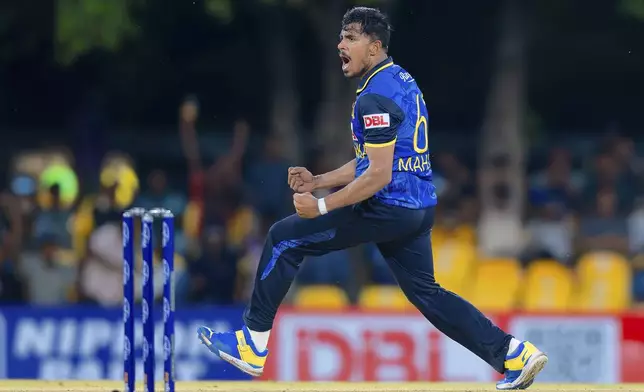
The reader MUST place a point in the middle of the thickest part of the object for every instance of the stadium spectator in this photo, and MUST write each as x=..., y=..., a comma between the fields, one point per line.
x=53, y=221
x=500, y=227
x=604, y=227
x=636, y=228
x=558, y=182
x=102, y=271
x=249, y=260
x=609, y=176
x=214, y=273
x=452, y=178
x=11, y=287
x=266, y=181
x=159, y=195
x=500, y=230
x=550, y=233
x=49, y=281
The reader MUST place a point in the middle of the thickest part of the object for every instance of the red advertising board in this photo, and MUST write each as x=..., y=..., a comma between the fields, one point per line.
x=632, y=348
x=386, y=346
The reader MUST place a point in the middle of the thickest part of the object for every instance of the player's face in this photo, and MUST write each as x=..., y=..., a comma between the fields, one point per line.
x=354, y=50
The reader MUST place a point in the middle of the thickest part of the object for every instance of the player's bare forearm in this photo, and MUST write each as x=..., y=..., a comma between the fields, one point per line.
x=362, y=188
x=376, y=177
x=338, y=177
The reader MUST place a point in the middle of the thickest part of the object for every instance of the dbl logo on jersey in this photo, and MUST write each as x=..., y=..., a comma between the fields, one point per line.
x=380, y=120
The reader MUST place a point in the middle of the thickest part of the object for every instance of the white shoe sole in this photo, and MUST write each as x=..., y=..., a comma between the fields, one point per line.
x=535, y=364
x=238, y=363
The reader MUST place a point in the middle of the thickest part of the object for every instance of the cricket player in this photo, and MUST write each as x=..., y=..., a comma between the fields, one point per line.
x=388, y=198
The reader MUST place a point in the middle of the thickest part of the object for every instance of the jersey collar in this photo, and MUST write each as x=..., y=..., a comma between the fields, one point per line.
x=365, y=80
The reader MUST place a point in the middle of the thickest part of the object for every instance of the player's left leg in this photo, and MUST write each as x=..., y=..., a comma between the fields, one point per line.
x=410, y=259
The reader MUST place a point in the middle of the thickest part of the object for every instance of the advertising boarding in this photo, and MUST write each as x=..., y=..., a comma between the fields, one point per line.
x=87, y=343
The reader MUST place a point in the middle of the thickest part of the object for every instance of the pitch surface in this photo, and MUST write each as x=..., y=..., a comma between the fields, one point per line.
x=95, y=386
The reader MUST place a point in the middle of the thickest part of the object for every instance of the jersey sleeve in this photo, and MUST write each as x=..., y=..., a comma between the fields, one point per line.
x=380, y=117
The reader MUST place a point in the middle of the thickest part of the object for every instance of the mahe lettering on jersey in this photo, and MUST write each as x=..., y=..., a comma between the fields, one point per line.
x=416, y=163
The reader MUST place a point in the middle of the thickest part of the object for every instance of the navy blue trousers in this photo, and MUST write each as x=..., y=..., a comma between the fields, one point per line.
x=403, y=237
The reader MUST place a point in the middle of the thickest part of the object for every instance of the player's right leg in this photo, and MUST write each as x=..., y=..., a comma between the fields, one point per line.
x=410, y=259
x=287, y=243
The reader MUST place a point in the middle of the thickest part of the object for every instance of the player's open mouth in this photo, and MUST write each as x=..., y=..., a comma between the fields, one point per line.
x=345, y=61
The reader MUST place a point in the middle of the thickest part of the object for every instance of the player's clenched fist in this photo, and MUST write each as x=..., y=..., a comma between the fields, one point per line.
x=300, y=179
x=306, y=205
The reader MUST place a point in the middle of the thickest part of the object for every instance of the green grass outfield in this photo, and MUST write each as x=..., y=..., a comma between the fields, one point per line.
x=268, y=386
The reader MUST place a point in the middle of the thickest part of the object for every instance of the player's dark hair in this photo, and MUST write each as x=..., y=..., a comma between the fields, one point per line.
x=373, y=22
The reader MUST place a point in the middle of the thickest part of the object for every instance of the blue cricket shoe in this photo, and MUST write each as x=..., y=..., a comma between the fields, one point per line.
x=522, y=366
x=236, y=348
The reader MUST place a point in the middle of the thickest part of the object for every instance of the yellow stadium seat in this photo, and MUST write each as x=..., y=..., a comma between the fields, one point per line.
x=464, y=233
x=320, y=297
x=496, y=285
x=383, y=297
x=548, y=286
x=454, y=260
x=604, y=282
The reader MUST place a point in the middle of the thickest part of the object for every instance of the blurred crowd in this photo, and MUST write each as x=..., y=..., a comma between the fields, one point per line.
x=61, y=239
